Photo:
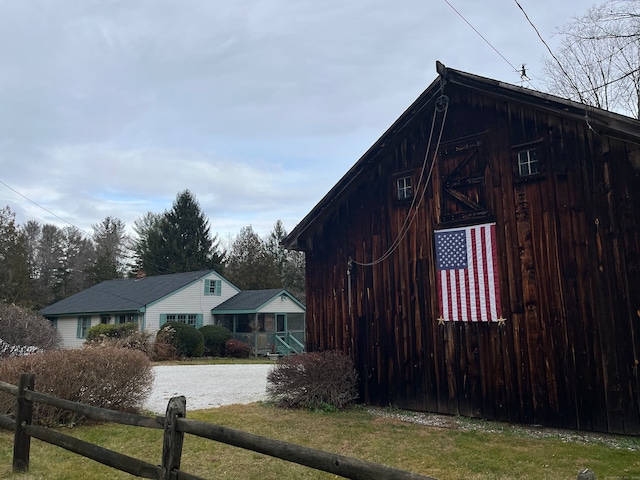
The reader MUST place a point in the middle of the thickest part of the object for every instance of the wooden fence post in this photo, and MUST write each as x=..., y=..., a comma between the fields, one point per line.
x=24, y=411
x=172, y=442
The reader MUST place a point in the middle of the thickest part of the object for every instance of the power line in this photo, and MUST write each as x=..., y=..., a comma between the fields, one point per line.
x=43, y=208
x=564, y=72
x=482, y=37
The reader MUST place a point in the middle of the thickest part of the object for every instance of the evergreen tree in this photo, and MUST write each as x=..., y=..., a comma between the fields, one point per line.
x=45, y=255
x=138, y=245
x=251, y=266
x=14, y=273
x=182, y=241
x=110, y=242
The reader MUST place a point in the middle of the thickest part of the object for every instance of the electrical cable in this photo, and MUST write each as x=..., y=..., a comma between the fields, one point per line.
x=490, y=44
x=43, y=208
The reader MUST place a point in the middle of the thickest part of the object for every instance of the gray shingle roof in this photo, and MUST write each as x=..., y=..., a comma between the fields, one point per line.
x=249, y=300
x=123, y=295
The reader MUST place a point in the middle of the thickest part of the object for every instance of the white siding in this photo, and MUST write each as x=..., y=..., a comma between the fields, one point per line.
x=68, y=328
x=281, y=305
x=190, y=299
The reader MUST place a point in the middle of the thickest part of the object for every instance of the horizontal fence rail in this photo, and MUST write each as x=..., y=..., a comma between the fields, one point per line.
x=175, y=425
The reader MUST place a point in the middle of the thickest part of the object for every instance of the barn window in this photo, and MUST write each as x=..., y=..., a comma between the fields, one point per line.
x=404, y=188
x=528, y=162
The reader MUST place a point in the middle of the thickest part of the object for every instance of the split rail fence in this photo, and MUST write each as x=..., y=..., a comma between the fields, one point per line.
x=175, y=425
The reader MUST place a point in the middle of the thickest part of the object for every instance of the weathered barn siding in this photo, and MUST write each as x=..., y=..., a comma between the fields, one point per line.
x=569, y=264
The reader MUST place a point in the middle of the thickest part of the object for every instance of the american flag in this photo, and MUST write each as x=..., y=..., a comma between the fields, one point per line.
x=468, y=283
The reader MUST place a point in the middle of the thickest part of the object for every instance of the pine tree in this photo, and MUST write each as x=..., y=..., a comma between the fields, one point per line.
x=14, y=274
x=181, y=241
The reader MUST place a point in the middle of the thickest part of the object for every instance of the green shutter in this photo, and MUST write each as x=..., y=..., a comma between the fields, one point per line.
x=163, y=318
x=206, y=286
x=198, y=320
x=79, y=329
x=218, y=287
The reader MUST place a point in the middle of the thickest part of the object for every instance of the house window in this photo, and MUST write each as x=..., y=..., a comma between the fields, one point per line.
x=404, y=188
x=105, y=319
x=528, y=163
x=84, y=324
x=193, y=319
x=212, y=287
x=126, y=318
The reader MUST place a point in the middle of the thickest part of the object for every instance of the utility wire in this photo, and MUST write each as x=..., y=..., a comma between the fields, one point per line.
x=43, y=208
x=483, y=38
x=564, y=72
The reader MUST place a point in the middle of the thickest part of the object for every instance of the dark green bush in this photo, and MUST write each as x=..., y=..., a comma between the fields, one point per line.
x=215, y=336
x=111, y=330
x=187, y=339
x=114, y=378
x=237, y=349
x=319, y=380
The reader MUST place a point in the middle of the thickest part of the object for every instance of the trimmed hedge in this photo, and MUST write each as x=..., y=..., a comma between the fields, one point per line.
x=215, y=337
x=187, y=340
x=111, y=330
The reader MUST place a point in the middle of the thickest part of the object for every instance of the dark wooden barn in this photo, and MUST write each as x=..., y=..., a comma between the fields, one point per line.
x=482, y=258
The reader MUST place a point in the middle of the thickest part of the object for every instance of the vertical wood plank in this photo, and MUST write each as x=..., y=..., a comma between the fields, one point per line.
x=22, y=441
x=173, y=439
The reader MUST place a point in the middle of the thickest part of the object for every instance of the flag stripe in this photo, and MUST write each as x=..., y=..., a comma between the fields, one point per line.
x=468, y=285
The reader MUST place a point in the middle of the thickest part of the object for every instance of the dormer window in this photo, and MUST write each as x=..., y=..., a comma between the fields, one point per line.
x=404, y=188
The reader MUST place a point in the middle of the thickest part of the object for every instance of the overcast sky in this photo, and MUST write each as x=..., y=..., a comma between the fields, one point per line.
x=112, y=107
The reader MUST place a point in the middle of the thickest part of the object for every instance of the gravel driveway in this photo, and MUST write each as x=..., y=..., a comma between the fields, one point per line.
x=207, y=386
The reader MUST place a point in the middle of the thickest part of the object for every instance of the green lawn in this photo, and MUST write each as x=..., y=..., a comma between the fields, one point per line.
x=465, y=449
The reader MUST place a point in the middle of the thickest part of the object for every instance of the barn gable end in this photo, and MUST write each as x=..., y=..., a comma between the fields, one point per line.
x=561, y=182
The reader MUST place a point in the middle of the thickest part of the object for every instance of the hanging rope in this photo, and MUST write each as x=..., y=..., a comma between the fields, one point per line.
x=441, y=106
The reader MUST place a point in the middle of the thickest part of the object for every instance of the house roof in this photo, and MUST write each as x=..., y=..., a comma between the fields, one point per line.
x=601, y=121
x=251, y=300
x=123, y=295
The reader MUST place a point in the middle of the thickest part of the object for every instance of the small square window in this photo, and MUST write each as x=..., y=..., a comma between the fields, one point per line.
x=528, y=163
x=404, y=188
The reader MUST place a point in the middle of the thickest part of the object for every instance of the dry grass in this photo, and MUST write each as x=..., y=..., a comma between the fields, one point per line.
x=461, y=450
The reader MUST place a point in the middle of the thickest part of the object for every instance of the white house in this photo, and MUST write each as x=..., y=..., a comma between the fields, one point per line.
x=187, y=297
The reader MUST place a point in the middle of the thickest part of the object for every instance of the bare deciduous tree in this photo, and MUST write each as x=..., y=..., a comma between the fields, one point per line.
x=599, y=59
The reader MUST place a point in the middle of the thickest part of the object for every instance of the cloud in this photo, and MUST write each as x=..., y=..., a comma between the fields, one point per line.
x=113, y=107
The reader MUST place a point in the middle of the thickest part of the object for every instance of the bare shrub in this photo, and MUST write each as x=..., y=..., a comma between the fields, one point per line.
x=163, y=348
x=313, y=380
x=22, y=327
x=237, y=349
x=135, y=340
x=114, y=378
